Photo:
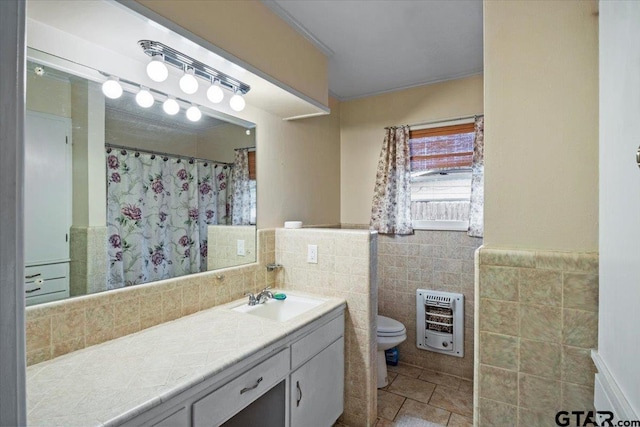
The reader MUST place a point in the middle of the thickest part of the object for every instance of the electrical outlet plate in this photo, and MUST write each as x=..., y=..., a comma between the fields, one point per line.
x=240, y=248
x=312, y=254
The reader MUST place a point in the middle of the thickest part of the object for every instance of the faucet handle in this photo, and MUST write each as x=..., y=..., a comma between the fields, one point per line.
x=252, y=298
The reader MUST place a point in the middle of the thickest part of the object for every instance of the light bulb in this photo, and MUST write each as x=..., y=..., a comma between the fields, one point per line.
x=215, y=93
x=170, y=106
x=188, y=82
x=237, y=102
x=193, y=113
x=144, y=98
x=157, y=70
x=111, y=88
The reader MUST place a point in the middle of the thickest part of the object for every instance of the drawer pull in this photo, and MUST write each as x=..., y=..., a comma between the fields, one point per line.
x=299, y=394
x=246, y=389
x=32, y=276
x=33, y=290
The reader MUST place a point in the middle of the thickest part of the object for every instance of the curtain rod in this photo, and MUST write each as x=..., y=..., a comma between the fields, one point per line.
x=245, y=148
x=160, y=153
x=433, y=122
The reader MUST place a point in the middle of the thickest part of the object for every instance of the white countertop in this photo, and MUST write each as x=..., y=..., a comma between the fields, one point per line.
x=112, y=382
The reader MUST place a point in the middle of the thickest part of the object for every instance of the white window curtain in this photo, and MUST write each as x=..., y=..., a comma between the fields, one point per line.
x=476, y=209
x=391, y=206
x=241, y=212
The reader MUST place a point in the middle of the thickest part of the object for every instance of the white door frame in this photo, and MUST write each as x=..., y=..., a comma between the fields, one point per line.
x=12, y=300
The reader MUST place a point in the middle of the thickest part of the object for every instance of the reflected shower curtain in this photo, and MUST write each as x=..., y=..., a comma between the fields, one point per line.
x=241, y=213
x=158, y=209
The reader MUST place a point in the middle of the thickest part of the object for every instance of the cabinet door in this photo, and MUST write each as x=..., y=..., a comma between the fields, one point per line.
x=47, y=192
x=317, y=388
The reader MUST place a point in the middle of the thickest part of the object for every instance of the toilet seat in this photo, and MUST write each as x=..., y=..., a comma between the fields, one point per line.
x=388, y=327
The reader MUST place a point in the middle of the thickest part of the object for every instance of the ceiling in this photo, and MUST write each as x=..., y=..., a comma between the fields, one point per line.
x=381, y=46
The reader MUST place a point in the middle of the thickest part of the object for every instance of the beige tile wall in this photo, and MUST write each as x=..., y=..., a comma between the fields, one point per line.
x=222, y=250
x=436, y=260
x=347, y=269
x=538, y=320
x=88, y=267
x=61, y=327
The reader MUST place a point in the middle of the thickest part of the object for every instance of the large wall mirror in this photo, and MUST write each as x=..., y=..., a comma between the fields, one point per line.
x=118, y=195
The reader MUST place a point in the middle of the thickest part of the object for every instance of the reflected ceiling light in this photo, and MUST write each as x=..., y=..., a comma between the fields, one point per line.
x=157, y=70
x=237, y=102
x=188, y=83
x=193, y=113
x=165, y=55
x=144, y=98
x=112, y=88
x=215, y=93
x=171, y=106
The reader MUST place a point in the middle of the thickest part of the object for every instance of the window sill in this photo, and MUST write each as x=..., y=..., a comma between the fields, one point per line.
x=441, y=225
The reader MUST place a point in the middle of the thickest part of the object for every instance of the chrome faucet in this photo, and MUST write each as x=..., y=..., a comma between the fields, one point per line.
x=264, y=295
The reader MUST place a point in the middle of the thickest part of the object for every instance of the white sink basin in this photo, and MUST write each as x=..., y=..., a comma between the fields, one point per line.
x=281, y=310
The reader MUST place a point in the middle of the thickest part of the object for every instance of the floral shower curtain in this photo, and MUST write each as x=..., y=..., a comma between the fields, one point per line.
x=158, y=209
x=391, y=206
x=241, y=213
x=476, y=209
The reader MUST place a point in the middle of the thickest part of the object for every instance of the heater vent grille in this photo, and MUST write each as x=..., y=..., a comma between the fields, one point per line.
x=440, y=322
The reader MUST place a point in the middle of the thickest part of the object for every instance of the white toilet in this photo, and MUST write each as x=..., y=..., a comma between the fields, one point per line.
x=390, y=334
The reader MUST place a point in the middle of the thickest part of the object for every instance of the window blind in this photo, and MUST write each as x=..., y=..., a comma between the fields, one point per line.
x=447, y=147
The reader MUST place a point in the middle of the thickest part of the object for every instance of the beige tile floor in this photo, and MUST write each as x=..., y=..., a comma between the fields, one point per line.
x=418, y=397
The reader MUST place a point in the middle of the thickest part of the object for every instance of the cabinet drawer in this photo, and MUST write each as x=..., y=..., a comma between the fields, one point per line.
x=48, y=271
x=39, y=299
x=179, y=418
x=313, y=343
x=46, y=286
x=229, y=399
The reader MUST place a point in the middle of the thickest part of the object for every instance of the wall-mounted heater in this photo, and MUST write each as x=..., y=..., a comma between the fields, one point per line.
x=440, y=322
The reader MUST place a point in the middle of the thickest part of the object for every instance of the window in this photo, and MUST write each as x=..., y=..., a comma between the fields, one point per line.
x=441, y=159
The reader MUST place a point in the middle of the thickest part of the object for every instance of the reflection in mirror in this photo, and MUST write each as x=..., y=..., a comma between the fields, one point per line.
x=118, y=195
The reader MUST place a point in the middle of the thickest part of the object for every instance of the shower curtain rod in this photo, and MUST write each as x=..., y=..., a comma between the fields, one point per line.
x=245, y=148
x=433, y=122
x=160, y=153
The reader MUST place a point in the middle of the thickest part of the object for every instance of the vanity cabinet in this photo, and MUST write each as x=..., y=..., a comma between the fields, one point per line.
x=297, y=382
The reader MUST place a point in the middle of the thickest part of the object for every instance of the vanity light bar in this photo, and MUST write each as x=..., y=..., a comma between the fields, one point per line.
x=184, y=62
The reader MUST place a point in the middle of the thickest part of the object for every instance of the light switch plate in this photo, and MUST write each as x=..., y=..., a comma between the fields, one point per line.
x=312, y=254
x=240, y=248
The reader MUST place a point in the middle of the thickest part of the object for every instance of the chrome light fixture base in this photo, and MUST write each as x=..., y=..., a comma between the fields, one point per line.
x=183, y=62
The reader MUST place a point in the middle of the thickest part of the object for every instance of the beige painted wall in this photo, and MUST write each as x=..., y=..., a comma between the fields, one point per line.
x=297, y=166
x=218, y=142
x=58, y=95
x=89, y=168
x=362, y=131
x=541, y=125
x=254, y=34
